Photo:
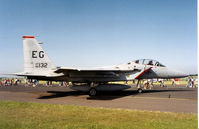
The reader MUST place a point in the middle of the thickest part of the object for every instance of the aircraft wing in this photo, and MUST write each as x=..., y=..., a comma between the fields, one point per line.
x=133, y=73
x=37, y=75
x=65, y=70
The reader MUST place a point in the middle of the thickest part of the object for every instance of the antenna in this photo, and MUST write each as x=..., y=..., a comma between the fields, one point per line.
x=37, y=35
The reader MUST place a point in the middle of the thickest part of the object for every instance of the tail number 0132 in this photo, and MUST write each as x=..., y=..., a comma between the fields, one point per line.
x=41, y=65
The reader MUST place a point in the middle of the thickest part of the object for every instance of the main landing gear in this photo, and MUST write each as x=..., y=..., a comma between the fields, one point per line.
x=92, y=92
x=93, y=88
x=139, y=90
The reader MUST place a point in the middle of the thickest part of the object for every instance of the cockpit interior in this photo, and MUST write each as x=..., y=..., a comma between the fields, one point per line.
x=149, y=62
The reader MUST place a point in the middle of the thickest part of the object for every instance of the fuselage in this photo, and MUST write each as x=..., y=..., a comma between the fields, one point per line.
x=154, y=71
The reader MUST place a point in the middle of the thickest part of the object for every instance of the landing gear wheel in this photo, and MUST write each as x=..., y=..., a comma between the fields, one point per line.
x=92, y=92
x=139, y=90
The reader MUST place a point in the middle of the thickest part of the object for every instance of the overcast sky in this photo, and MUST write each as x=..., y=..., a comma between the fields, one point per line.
x=93, y=33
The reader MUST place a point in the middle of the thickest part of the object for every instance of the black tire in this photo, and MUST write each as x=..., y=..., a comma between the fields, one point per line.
x=92, y=92
x=139, y=90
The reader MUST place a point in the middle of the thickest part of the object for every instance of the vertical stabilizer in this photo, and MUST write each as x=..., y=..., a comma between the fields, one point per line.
x=35, y=59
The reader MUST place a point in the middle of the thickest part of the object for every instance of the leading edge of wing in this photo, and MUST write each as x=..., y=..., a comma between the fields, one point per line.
x=60, y=70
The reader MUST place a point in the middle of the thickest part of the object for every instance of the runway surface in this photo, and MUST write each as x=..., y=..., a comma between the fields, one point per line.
x=167, y=99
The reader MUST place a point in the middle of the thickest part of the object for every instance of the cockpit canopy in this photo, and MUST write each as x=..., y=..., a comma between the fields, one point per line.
x=149, y=62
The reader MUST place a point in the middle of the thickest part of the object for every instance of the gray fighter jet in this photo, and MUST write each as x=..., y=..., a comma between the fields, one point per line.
x=37, y=65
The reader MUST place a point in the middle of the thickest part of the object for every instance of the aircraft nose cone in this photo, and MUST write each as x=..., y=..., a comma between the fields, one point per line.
x=181, y=74
x=178, y=74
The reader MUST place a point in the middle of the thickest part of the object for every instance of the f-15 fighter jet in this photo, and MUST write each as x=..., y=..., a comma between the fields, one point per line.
x=37, y=65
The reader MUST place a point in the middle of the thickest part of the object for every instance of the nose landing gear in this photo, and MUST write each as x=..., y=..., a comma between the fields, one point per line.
x=139, y=90
x=139, y=87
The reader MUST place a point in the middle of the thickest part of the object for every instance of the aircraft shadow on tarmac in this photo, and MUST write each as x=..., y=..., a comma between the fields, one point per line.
x=105, y=95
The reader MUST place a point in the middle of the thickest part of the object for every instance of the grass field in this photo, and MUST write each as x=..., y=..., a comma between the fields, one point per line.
x=23, y=115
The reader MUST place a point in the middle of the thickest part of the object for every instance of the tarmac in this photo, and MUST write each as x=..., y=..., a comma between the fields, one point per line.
x=163, y=99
